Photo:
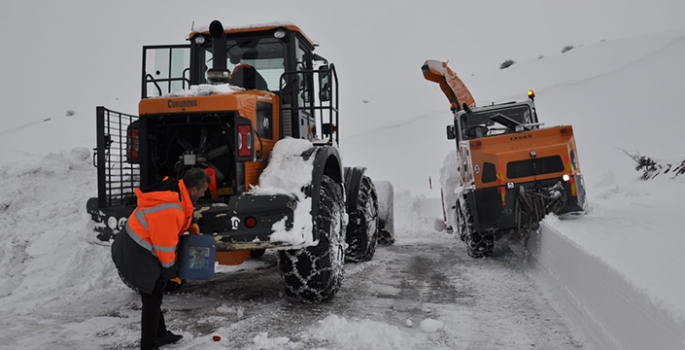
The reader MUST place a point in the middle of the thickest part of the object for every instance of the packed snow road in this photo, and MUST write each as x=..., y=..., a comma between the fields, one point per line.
x=418, y=294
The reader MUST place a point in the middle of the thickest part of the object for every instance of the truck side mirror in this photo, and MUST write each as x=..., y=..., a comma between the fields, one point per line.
x=324, y=83
x=451, y=134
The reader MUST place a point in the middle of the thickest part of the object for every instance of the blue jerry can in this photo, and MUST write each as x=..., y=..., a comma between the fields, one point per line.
x=196, y=257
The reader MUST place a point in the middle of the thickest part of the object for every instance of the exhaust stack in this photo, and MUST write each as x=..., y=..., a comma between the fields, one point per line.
x=218, y=74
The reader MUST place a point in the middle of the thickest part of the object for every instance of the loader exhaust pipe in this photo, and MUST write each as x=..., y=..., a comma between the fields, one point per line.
x=218, y=74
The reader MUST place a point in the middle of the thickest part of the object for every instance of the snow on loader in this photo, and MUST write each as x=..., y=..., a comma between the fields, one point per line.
x=226, y=102
x=512, y=172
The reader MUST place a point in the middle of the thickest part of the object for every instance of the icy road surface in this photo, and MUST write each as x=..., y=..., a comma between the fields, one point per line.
x=418, y=294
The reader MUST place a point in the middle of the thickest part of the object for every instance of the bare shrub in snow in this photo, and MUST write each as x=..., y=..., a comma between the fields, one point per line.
x=650, y=168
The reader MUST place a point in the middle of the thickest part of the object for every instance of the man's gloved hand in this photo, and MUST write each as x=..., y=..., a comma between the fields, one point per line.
x=194, y=229
x=176, y=280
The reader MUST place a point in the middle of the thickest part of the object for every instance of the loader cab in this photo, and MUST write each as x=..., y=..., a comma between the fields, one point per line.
x=279, y=59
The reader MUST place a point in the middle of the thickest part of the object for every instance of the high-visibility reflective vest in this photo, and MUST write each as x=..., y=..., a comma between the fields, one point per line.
x=158, y=221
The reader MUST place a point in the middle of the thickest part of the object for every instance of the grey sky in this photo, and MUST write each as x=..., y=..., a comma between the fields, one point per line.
x=77, y=54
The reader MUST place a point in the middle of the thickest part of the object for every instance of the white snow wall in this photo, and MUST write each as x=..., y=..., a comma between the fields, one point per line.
x=609, y=311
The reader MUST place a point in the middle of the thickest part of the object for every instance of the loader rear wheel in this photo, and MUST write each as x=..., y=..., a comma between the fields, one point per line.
x=362, y=229
x=314, y=274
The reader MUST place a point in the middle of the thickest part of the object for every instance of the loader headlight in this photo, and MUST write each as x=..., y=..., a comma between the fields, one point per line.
x=218, y=75
x=199, y=39
x=279, y=34
x=566, y=177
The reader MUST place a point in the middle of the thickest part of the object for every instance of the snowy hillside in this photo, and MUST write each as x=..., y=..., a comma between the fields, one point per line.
x=620, y=95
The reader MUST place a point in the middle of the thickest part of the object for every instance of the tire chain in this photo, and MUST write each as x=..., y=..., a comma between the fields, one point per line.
x=477, y=245
x=366, y=190
x=322, y=282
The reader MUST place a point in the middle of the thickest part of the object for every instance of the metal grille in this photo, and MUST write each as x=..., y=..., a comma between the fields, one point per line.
x=533, y=167
x=116, y=176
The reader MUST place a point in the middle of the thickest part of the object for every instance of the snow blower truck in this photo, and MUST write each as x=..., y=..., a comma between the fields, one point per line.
x=224, y=102
x=512, y=172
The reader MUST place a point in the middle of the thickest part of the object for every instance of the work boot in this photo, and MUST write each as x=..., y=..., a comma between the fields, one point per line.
x=168, y=338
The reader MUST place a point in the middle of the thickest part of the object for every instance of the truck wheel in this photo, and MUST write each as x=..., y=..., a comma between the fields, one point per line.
x=314, y=274
x=362, y=229
x=480, y=245
x=477, y=245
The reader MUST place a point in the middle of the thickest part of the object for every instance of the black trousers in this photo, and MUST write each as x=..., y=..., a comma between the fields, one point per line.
x=152, y=321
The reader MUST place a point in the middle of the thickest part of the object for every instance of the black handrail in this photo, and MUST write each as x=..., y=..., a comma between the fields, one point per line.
x=332, y=105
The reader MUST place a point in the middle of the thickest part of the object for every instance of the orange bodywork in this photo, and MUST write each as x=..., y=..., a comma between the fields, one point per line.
x=243, y=102
x=235, y=257
x=450, y=84
x=502, y=149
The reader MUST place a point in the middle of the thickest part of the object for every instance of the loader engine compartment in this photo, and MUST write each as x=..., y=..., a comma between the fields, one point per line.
x=179, y=142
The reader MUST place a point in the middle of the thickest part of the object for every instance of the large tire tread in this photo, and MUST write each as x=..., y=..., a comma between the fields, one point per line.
x=478, y=245
x=315, y=274
x=362, y=239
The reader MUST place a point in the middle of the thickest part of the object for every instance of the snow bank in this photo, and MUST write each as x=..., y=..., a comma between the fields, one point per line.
x=46, y=251
x=431, y=326
x=362, y=334
x=416, y=216
x=450, y=183
x=599, y=302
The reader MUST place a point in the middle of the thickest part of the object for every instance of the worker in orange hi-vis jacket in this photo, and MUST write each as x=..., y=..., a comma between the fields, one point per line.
x=145, y=251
